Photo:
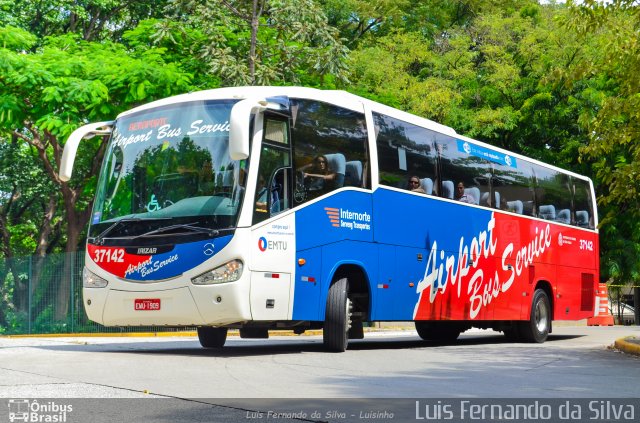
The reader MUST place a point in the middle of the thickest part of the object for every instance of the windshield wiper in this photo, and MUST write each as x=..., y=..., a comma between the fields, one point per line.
x=189, y=226
x=99, y=240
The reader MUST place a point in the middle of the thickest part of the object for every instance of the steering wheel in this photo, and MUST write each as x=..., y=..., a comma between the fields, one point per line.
x=300, y=191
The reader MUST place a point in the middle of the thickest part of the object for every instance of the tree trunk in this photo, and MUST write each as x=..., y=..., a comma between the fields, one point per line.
x=64, y=288
x=254, y=41
x=43, y=242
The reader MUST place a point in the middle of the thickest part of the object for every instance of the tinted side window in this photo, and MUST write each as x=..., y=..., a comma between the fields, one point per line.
x=584, y=213
x=330, y=147
x=512, y=185
x=553, y=194
x=460, y=166
x=404, y=151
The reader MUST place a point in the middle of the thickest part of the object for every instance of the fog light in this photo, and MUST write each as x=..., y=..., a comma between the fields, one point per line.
x=228, y=272
x=91, y=280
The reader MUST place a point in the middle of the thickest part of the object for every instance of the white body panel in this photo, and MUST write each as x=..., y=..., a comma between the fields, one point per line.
x=217, y=304
x=273, y=250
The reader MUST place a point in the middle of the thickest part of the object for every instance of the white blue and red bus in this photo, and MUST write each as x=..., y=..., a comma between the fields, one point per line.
x=211, y=211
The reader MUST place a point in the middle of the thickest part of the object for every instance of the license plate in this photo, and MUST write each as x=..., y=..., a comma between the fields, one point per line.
x=146, y=304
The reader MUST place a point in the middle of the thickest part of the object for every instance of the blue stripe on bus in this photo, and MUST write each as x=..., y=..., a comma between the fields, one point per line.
x=177, y=261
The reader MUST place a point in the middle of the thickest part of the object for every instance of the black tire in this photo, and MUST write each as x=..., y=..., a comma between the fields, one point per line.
x=537, y=329
x=356, y=331
x=212, y=337
x=337, y=317
x=438, y=331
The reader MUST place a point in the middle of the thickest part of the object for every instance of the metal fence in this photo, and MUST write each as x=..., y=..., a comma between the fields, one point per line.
x=42, y=295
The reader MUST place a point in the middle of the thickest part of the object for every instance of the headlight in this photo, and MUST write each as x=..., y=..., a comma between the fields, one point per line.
x=228, y=272
x=91, y=280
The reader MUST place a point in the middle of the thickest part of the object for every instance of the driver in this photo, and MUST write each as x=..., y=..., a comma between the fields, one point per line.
x=318, y=174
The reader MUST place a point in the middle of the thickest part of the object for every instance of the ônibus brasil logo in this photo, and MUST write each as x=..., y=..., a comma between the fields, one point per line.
x=24, y=410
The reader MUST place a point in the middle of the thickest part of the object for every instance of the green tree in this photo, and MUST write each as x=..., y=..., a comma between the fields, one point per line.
x=355, y=19
x=29, y=220
x=263, y=41
x=45, y=95
x=492, y=79
x=91, y=19
x=611, y=74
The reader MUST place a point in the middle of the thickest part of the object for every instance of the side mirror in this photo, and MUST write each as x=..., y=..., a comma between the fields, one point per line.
x=71, y=147
x=241, y=121
x=239, y=127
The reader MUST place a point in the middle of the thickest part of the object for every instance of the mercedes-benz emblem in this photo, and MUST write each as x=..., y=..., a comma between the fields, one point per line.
x=208, y=249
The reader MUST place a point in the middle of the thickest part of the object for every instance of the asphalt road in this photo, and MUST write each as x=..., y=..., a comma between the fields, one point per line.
x=576, y=362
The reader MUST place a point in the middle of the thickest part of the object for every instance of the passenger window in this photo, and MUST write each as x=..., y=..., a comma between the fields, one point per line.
x=466, y=175
x=552, y=195
x=582, y=201
x=405, y=151
x=330, y=147
x=512, y=185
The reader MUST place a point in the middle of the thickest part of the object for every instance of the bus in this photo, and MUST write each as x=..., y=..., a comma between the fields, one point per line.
x=266, y=208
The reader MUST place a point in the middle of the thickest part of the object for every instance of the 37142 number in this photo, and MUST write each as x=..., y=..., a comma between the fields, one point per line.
x=109, y=256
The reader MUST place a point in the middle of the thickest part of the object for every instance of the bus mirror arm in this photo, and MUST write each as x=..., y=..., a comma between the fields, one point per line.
x=239, y=127
x=71, y=146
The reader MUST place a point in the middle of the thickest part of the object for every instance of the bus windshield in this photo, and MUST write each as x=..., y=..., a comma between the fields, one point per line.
x=166, y=167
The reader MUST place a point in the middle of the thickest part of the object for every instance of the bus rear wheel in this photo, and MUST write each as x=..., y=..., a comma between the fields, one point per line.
x=438, y=331
x=337, y=320
x=212, y=337
x=537, y=329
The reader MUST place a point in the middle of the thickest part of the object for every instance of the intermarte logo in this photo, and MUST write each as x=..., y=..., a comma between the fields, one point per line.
x=334, y=216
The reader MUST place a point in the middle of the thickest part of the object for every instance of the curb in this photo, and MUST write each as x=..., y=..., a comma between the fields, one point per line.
x=629, y=344
x=232, y=332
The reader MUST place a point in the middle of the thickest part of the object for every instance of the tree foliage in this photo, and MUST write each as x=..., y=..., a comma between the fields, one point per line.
x=92, y=20
x=492, y=79
x=46, y=94
x=263, y=41
x=610, y=71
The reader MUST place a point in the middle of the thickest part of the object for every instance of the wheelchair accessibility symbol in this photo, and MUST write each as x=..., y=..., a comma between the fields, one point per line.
x=153, y=204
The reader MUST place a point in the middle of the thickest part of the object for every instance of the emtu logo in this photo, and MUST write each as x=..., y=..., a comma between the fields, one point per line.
x=262, y=244
x=334, y=216
x=265, y=245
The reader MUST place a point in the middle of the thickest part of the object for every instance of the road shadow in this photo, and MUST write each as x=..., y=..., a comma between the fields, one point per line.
x=236, y=347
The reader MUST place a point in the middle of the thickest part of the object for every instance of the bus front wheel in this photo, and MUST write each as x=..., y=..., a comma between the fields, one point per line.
x=212, y=337
x=337, y=317
x=537, y=328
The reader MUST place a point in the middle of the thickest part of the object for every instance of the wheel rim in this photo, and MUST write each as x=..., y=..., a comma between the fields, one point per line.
x=541, y=316
x=347, y=315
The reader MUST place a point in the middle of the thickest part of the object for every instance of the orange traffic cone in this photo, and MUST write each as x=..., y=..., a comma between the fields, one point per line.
x=603, y=316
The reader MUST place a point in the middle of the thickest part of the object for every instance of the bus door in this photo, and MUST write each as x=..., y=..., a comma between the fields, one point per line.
x=273, y=242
